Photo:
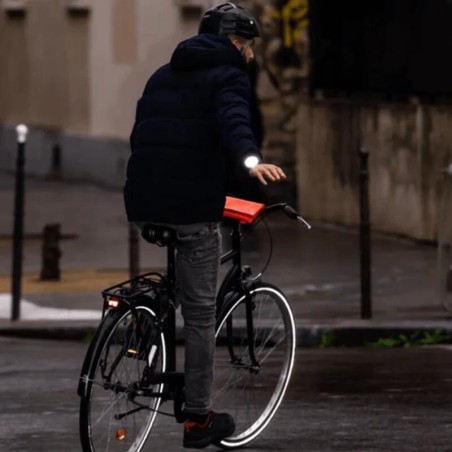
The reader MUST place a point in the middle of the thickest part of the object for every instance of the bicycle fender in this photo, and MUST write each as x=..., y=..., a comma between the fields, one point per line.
x=82, y=388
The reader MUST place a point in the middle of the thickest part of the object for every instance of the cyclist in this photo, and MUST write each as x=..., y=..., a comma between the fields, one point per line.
x=192, y=121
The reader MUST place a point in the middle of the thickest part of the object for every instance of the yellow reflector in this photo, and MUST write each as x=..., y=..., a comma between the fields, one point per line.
x=121, y=434
x=132, y=351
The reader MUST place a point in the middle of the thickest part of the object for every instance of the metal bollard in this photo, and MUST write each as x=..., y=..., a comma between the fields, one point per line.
x=51, y=253
x=365, y=243
x=19, y=197
x=444, y=266
x=55, y=170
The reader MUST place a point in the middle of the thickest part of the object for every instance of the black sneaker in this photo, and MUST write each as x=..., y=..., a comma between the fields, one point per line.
x=199, y=433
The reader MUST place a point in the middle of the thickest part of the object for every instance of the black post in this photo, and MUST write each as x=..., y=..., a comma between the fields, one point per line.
x=55, y=170
x=134, y=251
x=365, y=246
x=18, y=222
x=51, y=253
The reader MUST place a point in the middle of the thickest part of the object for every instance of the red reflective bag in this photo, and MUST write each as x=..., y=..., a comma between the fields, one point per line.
x=240, y=209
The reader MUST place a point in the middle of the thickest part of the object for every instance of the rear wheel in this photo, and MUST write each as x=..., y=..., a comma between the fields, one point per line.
x=115, y=415
x=252, y=391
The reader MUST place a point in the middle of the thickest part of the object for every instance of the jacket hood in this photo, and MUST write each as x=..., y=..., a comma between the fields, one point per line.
x=206, y=51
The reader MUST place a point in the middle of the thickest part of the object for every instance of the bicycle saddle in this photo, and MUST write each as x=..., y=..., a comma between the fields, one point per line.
x=160, y=235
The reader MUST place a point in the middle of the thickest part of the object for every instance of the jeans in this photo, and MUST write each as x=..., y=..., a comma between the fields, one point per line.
x=197, y=262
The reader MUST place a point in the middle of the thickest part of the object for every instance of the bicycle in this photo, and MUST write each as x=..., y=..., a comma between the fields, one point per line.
x=130, y=366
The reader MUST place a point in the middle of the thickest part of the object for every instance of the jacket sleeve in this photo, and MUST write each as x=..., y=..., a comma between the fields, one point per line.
x=233, y=116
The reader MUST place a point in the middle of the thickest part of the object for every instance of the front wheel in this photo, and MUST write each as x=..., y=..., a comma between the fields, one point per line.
x=252, y=369
x=116, y=414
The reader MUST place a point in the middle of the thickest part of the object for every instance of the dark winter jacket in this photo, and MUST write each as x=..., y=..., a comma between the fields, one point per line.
x=192, y=122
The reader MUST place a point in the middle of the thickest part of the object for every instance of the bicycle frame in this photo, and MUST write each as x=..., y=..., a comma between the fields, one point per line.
x=235, y=282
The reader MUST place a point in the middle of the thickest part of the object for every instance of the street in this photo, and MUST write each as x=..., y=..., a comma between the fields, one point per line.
x=340, y=399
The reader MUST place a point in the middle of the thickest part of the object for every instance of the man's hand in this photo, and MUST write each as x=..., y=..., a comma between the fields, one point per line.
x=267, y=172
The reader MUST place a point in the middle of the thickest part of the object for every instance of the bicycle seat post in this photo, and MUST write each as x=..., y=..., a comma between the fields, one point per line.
x=171, y=319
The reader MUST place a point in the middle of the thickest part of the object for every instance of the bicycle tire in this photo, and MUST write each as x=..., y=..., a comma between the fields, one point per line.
x=114, y=416
x=253, y=397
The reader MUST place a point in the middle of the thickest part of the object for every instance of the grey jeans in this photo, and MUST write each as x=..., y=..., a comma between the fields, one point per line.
x=197, y=262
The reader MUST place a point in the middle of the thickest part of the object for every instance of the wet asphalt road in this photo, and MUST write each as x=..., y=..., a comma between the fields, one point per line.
x=346, y=399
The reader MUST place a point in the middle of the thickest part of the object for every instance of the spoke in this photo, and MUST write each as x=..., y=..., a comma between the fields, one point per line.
x=230, y=382
x=276, y=327
x=108, y=409
x=262, y=360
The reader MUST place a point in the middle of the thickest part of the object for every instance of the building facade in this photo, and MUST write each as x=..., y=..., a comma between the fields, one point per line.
x=73, y=70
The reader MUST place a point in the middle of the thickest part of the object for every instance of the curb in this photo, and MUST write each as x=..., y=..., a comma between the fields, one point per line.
x=334, y=334
x=73, y=331
x=374, y=334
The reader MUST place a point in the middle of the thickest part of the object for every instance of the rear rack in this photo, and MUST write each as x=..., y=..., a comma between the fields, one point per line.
x=142, y=285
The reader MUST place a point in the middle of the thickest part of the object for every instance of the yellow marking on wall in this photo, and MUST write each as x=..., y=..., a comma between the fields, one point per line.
x=294, y=17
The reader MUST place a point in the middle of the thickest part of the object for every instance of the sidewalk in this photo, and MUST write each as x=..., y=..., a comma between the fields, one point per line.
x=318, y=269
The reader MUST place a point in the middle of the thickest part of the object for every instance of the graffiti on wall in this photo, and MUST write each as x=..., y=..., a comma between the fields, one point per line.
x=292, y=16
x=285, y=50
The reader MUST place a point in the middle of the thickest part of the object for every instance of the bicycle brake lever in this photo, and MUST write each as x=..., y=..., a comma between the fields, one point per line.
x=302, y=220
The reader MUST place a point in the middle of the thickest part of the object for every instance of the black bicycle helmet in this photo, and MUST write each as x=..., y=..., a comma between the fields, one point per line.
x=229, y=19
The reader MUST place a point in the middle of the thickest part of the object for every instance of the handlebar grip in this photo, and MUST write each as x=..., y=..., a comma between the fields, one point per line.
x=290, y=212
x=294, y=215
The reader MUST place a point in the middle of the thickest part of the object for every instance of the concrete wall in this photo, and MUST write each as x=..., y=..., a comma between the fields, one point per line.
x=74, y=79
x=82, y=73
x=138, y=36
x=409, y=144
x=44, y=68
x=82, y=157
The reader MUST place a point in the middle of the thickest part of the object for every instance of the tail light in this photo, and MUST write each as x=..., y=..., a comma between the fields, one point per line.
x=113, y=302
